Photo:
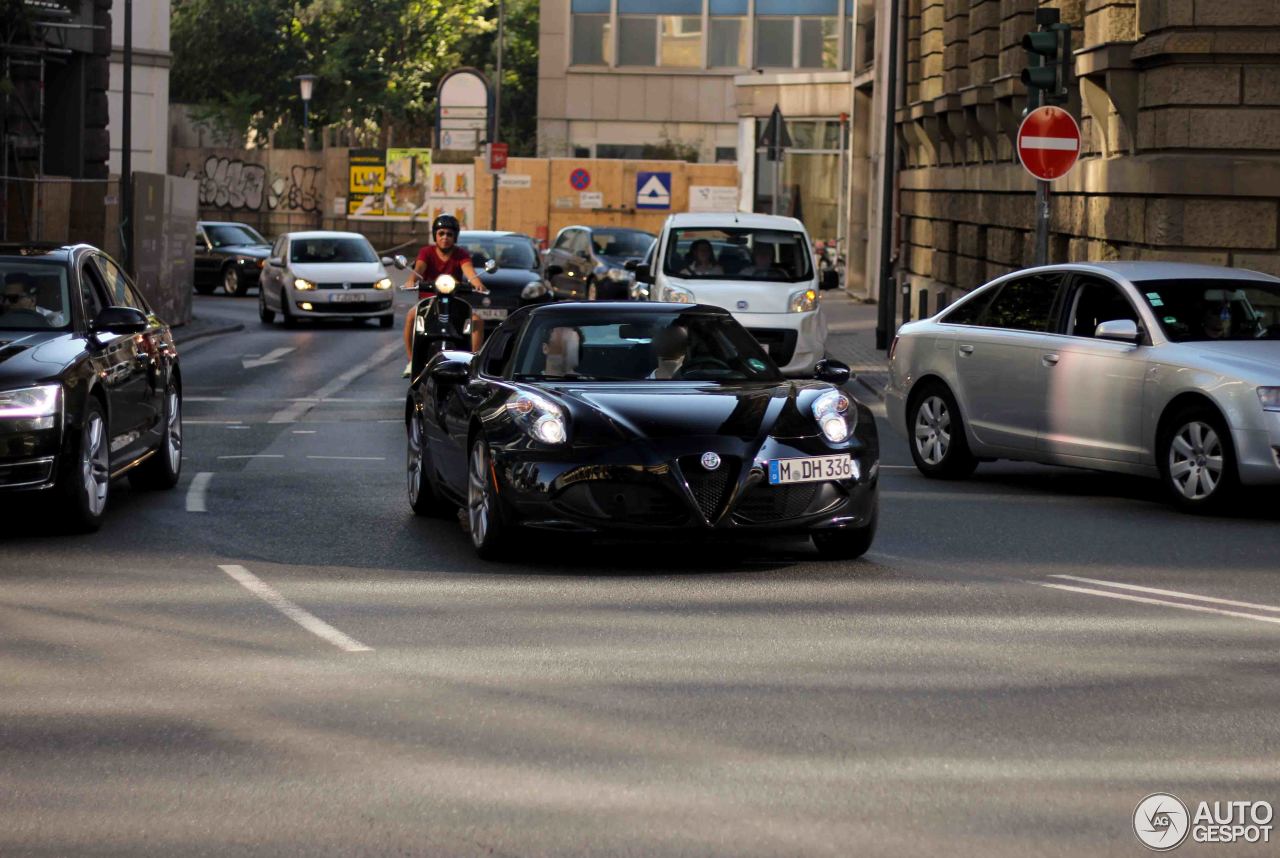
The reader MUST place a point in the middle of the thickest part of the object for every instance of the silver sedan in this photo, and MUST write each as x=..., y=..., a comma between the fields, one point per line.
x=1162, y=369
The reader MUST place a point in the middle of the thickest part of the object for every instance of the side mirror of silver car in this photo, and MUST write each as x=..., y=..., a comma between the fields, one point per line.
x=1120, y=330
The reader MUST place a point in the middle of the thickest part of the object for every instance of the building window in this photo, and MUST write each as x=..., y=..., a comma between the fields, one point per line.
x=819, y=43
x=637, y=41
x=726, y=154
x=727, y=45
x=797, y=34
x=613, y=150
x=775, y=42
x=592, y=45
x=680, y=41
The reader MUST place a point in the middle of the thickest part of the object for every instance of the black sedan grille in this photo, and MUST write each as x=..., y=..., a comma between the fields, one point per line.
x=624, y=503
x=763, y=503
x=710, y=489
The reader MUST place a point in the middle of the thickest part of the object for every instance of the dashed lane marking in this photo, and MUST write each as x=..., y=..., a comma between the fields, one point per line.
x=255, y=456
x=352, y=458
x=197, y=491
x=302, y=617
x=1165, y=603
x=295, y=412
x=1175, y=593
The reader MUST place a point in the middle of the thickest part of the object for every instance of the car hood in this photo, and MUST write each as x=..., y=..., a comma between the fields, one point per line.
x=655, y=409
x=257, y=251
x=1253, y=361
x=760, y=296
x=508, y=278
x=27, y=357
x=338, y=272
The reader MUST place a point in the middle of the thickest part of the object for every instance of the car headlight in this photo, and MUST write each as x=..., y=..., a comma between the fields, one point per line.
x=831, y=410
x=1270, y=398
x=540, y=418
x=802, y=301
x=678, y=295
x=384, y=284
x=39, y=403
x=303, y=285
x=533, y=290
x=619, y=275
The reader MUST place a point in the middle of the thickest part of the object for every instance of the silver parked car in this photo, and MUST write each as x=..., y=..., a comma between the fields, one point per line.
x=1163, y=369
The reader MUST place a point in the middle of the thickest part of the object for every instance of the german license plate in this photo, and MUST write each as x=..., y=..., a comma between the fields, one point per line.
x=346, y=298
x=491, y=313
x=812, y=469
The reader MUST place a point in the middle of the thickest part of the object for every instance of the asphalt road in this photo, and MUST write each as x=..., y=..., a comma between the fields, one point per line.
x=278, y=658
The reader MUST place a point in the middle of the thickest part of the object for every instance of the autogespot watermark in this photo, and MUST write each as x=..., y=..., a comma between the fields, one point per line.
x=1162, y=822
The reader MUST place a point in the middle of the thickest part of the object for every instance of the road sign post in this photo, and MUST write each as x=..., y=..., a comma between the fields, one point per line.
x=1048, y=146
x=775, y=140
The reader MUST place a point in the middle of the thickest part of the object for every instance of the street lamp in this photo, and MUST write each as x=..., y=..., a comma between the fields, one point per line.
x=307, y=83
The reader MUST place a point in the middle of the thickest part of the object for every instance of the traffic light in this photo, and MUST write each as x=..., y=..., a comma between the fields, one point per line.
x=1047, y=76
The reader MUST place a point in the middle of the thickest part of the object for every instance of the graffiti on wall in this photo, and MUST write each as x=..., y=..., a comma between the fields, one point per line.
x=235, y=184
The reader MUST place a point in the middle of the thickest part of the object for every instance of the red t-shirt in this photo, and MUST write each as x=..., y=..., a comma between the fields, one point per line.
x=435, y=266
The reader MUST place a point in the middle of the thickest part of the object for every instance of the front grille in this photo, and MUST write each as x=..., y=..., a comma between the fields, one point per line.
x=349, y=309
x=339, y=285
x=623, y=503
x=710, y=489
x=763, y=503
x=780, y=342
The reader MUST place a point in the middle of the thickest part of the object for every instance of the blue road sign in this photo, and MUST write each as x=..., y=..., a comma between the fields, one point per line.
x=653, y=190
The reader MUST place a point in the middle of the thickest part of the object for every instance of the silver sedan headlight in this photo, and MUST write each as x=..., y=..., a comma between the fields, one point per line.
x=1270, y=398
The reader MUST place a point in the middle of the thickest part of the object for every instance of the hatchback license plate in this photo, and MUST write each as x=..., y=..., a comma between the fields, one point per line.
x=492, y=313
x=346, y=298
x=810, y=470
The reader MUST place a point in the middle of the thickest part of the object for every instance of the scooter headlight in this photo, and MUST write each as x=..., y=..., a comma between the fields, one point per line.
x=445, y=284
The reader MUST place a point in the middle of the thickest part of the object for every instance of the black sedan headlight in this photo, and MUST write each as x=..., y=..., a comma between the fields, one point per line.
x=35, y=407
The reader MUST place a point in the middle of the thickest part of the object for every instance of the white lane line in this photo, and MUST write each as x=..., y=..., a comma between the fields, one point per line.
x=352, y=458
x=197, y=490
x=238, y=426
x=1162, y=602
x=255, y=456
x=204, y=399
x=897, y=467
x=992, y=497
x=187, y=421
x=308, y=621
x=304, y=431
x=297, y=410
x=252, y=361
x=1211, y=599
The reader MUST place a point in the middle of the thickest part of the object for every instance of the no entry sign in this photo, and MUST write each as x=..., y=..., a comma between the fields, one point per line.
x=1048, y=143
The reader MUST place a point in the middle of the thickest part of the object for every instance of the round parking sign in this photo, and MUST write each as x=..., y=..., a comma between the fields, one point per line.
x=580, y=179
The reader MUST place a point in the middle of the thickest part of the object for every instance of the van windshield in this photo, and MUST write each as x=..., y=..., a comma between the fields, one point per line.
x=738, y=253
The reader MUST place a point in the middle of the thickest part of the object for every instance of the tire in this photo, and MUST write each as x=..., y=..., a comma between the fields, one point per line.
x=163, y=469
x=287, y=317
x=488, y=531
x=206, y=288
x=84, y=485
x=935, y=434
x=424, y=498
x=1197, y=460
x=231, y=283
x=846, y=544
x=386, y=321
x=265, y=313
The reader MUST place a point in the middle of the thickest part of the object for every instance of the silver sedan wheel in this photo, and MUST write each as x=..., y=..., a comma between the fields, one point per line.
x=93, y=464
x=173, y=431
x=1195, y=460
x=478, y=504
x=933, y=430
x=415, y=458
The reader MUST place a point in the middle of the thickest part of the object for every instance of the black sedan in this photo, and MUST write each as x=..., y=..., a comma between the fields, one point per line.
x=517, y=281
x=230, y=255
x=90, y=387
x=636, y=418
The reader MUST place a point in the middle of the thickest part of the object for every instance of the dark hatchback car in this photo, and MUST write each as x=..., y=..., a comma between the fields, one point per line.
x=590, y=263
x=517, y=280
x=230, y=255
x=90, y=388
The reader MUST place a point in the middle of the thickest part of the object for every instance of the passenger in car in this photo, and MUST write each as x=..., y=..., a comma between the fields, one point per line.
x=671, y=345
x=702, y=260
x=562, y=350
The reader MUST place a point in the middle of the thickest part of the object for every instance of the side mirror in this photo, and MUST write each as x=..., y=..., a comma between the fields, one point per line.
x=397, y=261
x=119, y=320
x=1119, y=330
x=275, y=262
x=450, y=371
x=490, y=266
x=643, y=273
x=832, y=371
x=631, y=264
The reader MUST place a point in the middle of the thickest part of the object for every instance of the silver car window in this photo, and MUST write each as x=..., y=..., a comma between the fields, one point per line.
x=1024, y=303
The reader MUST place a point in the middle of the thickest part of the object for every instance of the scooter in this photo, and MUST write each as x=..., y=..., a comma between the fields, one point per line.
x=442, y=322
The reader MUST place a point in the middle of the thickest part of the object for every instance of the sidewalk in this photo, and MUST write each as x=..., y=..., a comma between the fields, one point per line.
x=851, y=338
x=204, y=325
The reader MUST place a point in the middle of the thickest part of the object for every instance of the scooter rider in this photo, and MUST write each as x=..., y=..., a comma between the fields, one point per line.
x=444, y=257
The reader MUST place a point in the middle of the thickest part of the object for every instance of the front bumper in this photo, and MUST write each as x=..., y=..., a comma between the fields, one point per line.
x=28, y=455
x=795, y=341
x=1258, y=451
x=632, y=488
x=320, y=304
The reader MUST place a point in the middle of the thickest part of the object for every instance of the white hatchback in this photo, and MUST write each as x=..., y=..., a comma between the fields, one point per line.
x=758, y=267
x=323, y=275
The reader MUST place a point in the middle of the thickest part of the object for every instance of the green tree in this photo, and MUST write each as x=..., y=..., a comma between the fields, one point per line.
x=519, y=128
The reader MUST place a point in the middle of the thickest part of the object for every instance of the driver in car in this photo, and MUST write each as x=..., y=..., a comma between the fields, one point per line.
x=562, y=351
x=762, y=264
x=672, y=346
x=20, y=294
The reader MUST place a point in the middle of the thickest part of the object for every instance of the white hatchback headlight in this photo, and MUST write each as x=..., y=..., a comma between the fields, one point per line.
x=384, y=284
x=28, y=403
x=831, y=410
x=677, y=295
x=1270, y=398
x=541, y=418
x=803, y=301
x=303, y=285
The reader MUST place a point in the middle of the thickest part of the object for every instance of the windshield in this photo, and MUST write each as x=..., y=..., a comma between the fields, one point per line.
x=731, y=253
x=1207, y=310
x=510, y=252
x=657, y=347
x=228, y=235
x=621, y=243
x=331, y=250
x=34, y=295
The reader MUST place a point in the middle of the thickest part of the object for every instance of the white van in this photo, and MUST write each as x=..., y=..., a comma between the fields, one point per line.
x=758, y=267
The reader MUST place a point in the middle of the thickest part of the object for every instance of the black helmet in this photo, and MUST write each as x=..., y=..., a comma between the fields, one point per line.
x=445, y=221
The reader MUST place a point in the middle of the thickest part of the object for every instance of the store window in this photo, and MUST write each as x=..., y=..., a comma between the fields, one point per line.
x=807, y=181
x=592, y=42
x=727, y=46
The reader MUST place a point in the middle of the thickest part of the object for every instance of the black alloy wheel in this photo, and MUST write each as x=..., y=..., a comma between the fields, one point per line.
x=231, y=283
x=424, y=498
x=938, y=444
x=1197, y=460
x=84, y=484
x=848, y=544
x=163, y=469
x=489, y=534
x=265, y=313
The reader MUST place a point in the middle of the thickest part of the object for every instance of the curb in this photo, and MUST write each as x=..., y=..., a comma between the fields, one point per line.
x=180, y=339
x=877, y=392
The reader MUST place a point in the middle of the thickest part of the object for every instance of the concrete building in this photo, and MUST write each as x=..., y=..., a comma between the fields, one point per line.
x=151, y=61
x=1180, y=109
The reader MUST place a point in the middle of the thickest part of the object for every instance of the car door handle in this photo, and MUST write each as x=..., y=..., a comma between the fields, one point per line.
x=1049, y=360
x=966, y=350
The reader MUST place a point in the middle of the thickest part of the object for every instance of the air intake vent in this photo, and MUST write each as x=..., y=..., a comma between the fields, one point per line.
x=710, y=488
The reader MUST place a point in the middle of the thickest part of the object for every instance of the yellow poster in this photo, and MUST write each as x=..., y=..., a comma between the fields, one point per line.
x=366, y=186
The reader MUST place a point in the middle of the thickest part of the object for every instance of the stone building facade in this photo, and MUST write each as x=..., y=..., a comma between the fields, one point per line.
x=1179, y=102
